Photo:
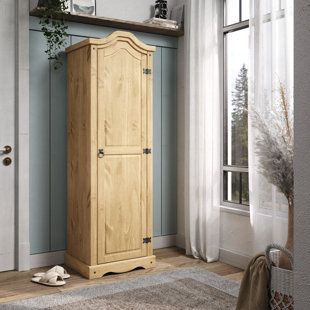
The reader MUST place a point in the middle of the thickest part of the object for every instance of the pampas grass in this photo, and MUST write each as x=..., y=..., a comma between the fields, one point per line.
x=274, y=149
x=274, y=146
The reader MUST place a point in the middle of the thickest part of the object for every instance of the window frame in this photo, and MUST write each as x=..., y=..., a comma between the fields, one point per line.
x=228, y=168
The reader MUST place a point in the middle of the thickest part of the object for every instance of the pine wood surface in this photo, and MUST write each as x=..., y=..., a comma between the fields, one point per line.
x=110, y=108
x=16, y=285
x=119, y=24
x=97, y=271
x=82, y=156
x=122, y=133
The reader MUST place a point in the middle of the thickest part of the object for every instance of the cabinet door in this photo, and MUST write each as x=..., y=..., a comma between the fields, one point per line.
x=122, y=134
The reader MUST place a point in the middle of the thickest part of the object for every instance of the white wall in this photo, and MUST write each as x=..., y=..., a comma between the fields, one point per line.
x=236, y=234
x=302, y=151
x=132, y=10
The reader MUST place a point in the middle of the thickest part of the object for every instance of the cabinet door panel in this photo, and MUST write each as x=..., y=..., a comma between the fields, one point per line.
x=122, y=172
x=121, y=89
x=122, y=213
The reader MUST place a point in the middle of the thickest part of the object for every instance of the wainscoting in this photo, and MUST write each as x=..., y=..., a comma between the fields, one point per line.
x=48, y=106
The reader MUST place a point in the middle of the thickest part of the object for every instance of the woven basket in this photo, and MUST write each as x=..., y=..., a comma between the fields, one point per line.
x=281, y=285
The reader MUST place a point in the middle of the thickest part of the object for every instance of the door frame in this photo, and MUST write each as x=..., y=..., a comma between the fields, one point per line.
x=22, y=243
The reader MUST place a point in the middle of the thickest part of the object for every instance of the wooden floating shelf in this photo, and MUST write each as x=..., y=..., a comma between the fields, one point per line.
x=117, y=23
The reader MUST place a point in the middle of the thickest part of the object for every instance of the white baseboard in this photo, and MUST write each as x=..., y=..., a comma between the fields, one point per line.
x=58, y=257
x=234, y=259
x=47, y=259
x=164, y=241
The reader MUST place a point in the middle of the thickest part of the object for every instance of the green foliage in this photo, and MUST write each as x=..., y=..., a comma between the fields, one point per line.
x=240, y=119
x=54, y=28
x=240, y=126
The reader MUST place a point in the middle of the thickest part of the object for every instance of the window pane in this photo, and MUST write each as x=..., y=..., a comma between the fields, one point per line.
x=236, y=187
x=245, y=189
x=245, y=9
x=236, y=114
x=231, y=12
x=232, y=186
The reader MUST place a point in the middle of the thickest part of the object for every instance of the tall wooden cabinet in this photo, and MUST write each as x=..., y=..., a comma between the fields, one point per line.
x=109, y=155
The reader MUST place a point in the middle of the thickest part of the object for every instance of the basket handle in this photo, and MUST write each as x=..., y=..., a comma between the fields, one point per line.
x=282, y=249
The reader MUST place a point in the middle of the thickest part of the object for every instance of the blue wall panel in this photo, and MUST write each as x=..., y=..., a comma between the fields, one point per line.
x=169, y=141
x=39, y=146
x=157, y=69
x=58, y=155
x=48, y=150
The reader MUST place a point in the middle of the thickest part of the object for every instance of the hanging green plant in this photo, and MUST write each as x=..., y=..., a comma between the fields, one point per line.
x=53, y=27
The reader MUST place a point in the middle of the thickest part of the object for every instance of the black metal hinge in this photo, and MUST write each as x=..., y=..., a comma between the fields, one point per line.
x=147, y=151
x=147, y=240
x=147, y=71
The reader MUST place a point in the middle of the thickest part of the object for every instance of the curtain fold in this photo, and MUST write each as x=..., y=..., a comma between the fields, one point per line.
x=271, y=46
x=202, y=127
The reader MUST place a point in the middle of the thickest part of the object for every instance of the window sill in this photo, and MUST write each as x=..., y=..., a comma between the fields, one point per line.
x=235, y=211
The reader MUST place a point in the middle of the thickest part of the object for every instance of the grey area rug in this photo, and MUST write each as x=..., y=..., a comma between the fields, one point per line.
x=184, y=288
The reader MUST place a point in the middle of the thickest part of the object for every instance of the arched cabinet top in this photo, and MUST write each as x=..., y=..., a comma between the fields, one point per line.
x=115, y=36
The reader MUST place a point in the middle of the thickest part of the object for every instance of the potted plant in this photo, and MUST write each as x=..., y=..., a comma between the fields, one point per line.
x=53, y=27
x=275, y=148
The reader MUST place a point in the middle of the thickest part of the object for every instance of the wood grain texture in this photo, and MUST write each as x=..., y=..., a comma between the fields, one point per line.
x=120, y=24
x=110, y=108
x=82, y=170
x=98, y=271
x=121, y=36
x=121, y=214
x=94, y=31
x=16, y=285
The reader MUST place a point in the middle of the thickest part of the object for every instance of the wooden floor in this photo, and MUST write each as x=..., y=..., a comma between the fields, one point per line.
x=16, y=285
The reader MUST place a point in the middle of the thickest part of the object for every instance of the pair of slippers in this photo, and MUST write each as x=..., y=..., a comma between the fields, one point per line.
x=53, y=277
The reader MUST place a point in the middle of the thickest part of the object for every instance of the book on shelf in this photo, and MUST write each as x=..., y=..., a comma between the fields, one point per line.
x=162, y=22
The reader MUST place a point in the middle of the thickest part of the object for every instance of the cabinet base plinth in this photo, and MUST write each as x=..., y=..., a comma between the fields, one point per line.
x=97, y=271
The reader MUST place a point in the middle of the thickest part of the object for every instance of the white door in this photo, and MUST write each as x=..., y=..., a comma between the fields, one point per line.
x=7, y=134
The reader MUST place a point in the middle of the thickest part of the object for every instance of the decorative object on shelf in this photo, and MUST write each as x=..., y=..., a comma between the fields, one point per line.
x=162, y=22
x=53, y=27
x=161, y=9
x=86, y=7
x=275, y=151
x=177, y=14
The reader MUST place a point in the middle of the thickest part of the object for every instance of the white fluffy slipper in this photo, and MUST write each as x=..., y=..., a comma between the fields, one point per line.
x=58, y=269
x=49, y=279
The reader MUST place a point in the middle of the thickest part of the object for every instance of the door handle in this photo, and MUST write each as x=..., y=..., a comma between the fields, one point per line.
x=6, y=150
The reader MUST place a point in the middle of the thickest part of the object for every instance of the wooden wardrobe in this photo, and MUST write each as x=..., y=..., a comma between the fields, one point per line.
x=109, y=155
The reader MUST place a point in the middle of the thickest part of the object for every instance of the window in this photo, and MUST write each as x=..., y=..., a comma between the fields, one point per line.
x=235, y=179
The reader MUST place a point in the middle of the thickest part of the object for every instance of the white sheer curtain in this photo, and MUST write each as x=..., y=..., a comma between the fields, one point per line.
x=271, y=40
x=202, y=127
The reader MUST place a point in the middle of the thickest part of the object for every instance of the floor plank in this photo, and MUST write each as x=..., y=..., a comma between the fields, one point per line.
x=16, y=285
